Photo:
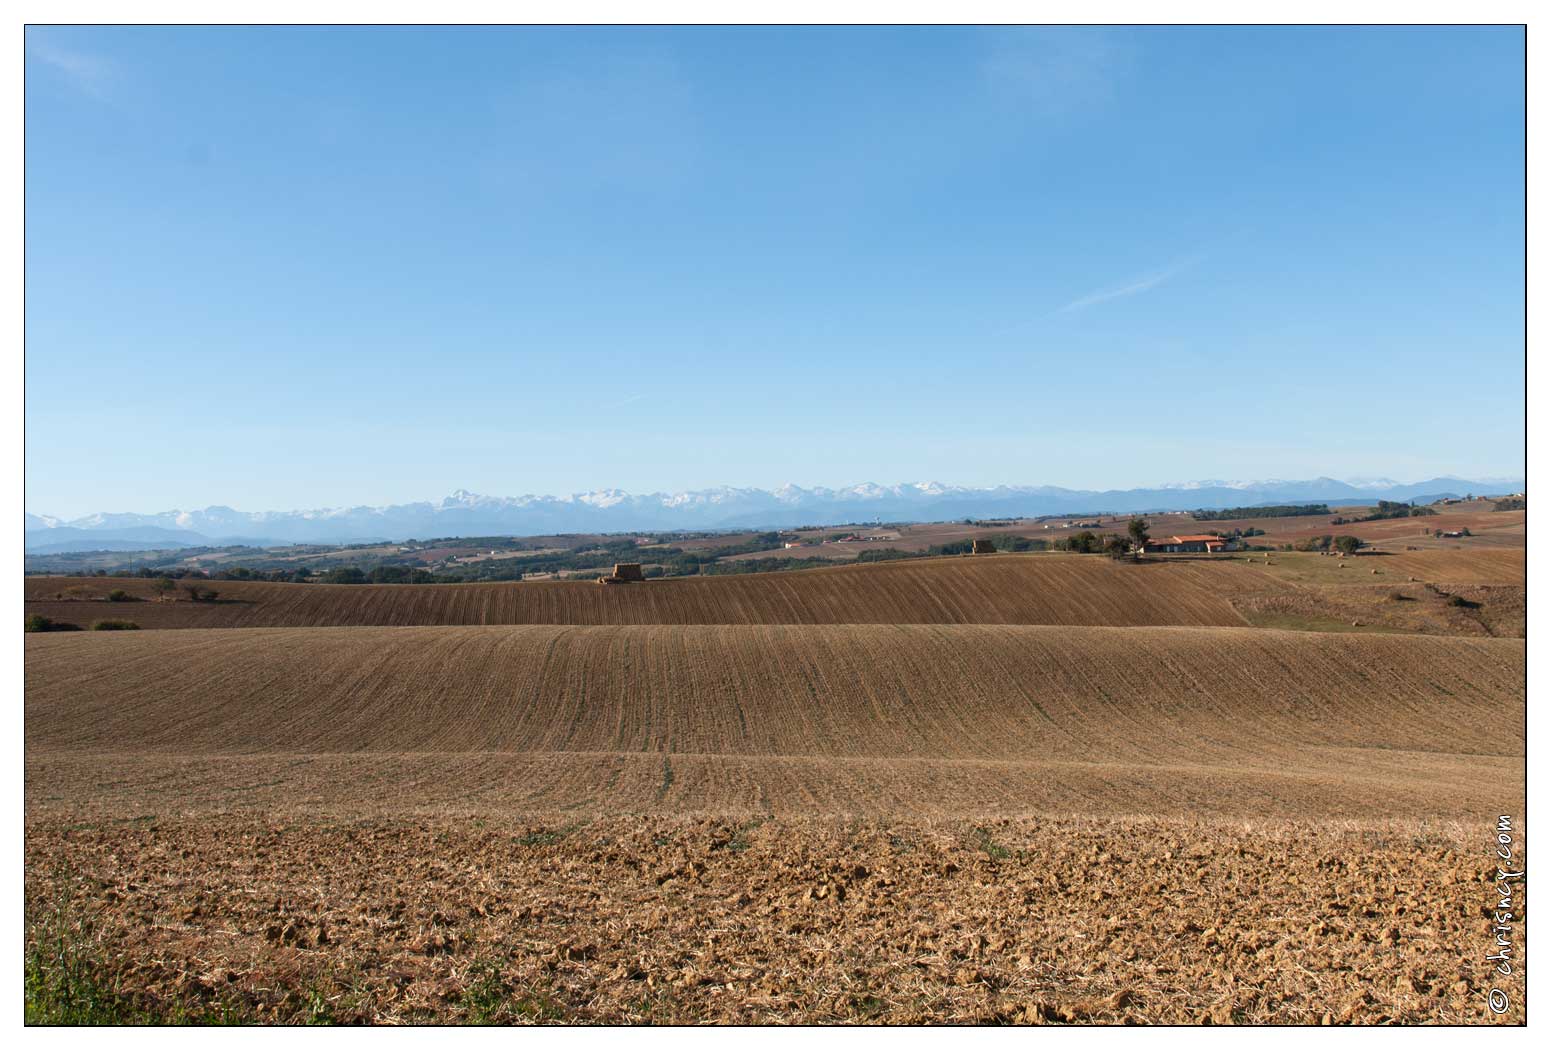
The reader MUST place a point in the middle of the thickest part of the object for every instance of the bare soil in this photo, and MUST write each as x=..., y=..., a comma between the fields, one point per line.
x=683, y=921
x=1019, y=789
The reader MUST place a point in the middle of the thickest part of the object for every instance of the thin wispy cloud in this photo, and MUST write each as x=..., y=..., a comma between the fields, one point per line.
x=1055, y=71
x=1132, y=288
x=86, y=72
x=621, y=404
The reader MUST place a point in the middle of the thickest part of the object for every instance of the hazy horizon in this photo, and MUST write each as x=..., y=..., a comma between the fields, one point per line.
x=1376, y=482
x=332, y=267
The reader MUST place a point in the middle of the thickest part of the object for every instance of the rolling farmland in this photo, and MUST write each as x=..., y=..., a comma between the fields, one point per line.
x=987, y=692
x=1142, y=708
x=1010, y=589
x=1499, y=529
x=906, y=791
x=1490, y=566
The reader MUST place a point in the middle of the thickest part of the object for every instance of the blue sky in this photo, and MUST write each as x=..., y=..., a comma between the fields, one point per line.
x=320, y=267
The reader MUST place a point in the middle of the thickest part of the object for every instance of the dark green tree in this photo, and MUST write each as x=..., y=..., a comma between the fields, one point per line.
x=1137, y=528
x=1084, y=542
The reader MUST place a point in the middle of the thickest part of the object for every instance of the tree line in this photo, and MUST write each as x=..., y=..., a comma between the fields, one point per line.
x=1268, y=511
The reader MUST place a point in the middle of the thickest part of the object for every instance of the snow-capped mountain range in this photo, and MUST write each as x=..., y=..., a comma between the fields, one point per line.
x=612, y=510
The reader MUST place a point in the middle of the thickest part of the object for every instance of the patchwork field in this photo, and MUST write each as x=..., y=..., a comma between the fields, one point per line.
x=1495, y=529
x=1020, y=788
x=1488, y=528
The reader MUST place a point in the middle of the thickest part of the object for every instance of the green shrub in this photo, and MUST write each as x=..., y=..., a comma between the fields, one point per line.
x=120, y=595
x=38, y=622
x=1347, y=545
x=115, y=625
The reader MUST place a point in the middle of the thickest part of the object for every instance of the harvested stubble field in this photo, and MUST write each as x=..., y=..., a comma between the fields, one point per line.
x=1007, y=795
x=1493, y=567
x=1501, y=566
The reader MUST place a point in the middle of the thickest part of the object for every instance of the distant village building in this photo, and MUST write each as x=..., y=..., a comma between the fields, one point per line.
x=1206, y=543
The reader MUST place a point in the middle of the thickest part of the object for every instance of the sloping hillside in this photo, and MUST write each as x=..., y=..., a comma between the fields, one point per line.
x=1475, y=565
x=988, y=589
x=924, y=718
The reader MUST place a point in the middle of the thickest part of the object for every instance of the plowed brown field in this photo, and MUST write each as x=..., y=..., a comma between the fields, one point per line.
x=1144, y=709
x=1009, y=789
x=1011, y=589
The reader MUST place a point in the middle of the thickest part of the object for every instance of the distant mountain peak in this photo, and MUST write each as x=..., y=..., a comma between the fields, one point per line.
x=466, y=513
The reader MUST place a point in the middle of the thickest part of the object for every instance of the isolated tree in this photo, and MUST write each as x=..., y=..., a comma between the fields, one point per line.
x=1137, y=527
x=1117, y=546
x=162, y=585
x=1348, y=545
